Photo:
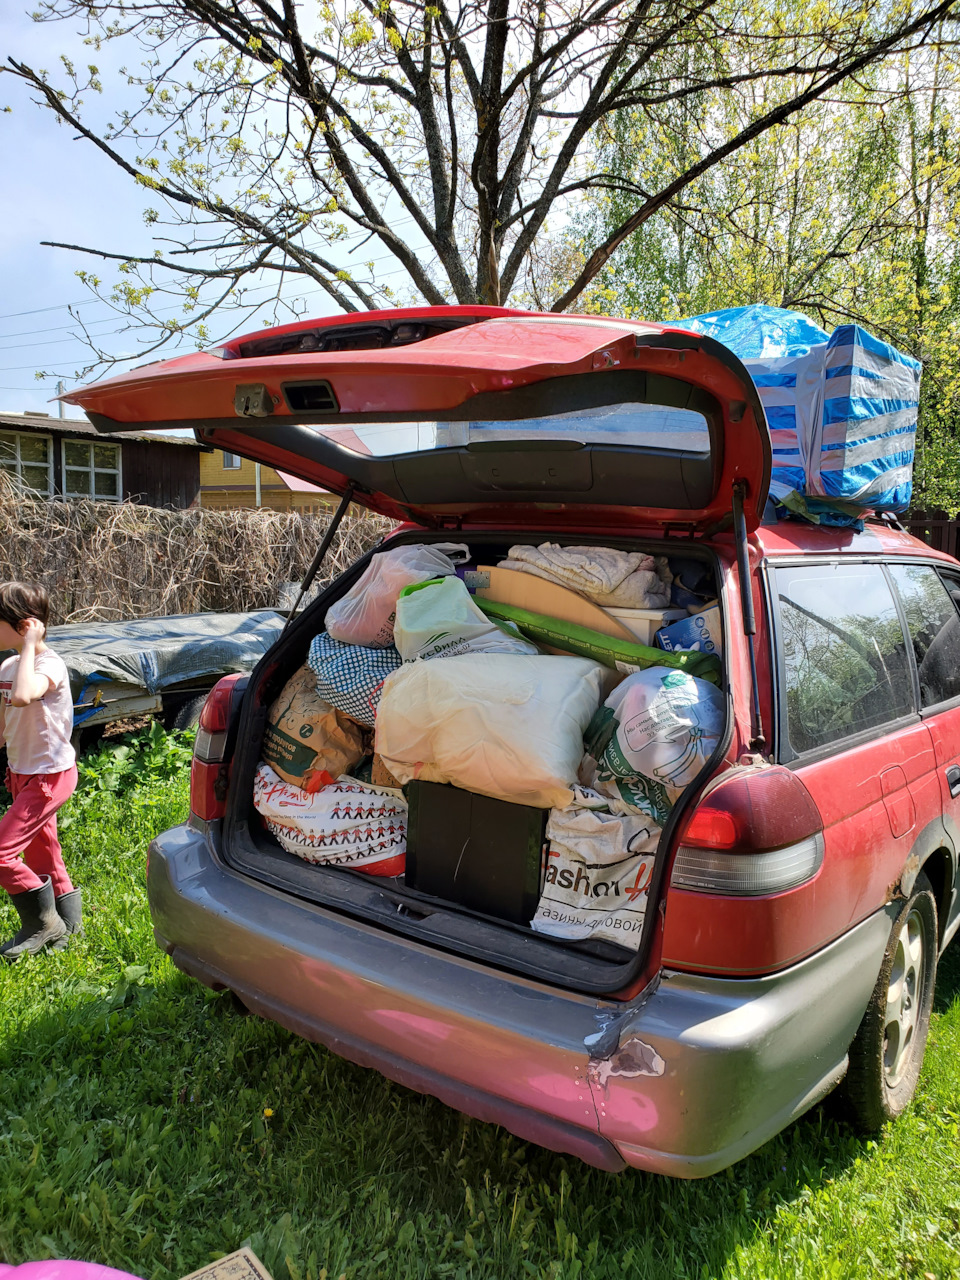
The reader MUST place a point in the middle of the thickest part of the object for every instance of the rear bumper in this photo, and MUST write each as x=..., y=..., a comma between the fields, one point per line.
x=693, y=1075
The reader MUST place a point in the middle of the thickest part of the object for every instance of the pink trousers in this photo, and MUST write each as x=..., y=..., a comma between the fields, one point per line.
x=30, y=827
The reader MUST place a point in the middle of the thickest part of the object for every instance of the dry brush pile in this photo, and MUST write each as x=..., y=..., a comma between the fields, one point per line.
x=104, y=560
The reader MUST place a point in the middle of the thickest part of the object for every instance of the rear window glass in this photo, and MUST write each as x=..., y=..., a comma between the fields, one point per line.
x=845, y=661
x=934, y=630
x=648, y=426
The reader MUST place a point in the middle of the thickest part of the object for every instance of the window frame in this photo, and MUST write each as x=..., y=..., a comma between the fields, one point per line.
x=92, y=470
x=34, y=435
x=785, y=752
x=942, y=571
x=232, y=466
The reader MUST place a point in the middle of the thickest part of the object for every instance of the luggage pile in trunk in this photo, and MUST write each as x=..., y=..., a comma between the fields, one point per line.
x=507, y=738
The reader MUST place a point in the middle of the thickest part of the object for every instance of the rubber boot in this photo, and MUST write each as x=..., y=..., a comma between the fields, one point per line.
x=40, y=923
x=70, y=910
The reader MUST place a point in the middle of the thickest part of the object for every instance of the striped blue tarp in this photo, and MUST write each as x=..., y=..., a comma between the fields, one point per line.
x=841, y=407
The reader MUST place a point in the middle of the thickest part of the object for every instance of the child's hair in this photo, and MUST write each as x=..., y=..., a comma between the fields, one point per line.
x=22, y=600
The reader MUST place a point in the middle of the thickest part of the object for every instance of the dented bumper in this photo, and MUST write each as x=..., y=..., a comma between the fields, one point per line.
x=693, y=1075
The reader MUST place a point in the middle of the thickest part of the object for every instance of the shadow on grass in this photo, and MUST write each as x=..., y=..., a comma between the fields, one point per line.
x=152, y=1127
x=948, y=978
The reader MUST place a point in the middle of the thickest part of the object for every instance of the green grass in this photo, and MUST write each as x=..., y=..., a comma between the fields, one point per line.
x=133, y=1131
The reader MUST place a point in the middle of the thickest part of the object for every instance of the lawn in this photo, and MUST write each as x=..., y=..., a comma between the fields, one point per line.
x=146, y=1124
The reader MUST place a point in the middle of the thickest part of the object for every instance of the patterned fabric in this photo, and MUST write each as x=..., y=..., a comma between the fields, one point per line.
x=841, y=407
x=346, y=824
x=351, y=677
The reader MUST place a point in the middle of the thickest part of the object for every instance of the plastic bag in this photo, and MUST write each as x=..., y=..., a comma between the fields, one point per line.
x=347, y=824
x=349, y=676
x=308, y=742
x=599, y=867
x=502, y=725
x=652, y=737
x=439, y=619
x=365, y=615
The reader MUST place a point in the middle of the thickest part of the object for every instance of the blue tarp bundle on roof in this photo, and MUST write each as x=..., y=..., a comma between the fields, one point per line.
x=841, y=406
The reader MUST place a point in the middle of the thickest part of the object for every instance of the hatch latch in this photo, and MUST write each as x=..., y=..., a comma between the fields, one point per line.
x=252, y=400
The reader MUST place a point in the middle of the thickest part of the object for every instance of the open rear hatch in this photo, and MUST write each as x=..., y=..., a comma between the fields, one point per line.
x=477, y=417
x=510, y=427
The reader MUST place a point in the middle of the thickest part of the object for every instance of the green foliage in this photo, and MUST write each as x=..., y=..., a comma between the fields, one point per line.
x=848, y=211
x=147, y=1125
x=149, y=756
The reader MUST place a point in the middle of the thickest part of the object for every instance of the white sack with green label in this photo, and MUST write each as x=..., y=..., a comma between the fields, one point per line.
x=652, y=737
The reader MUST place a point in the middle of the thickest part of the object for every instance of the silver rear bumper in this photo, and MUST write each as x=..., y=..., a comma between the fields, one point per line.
x=691, y=1076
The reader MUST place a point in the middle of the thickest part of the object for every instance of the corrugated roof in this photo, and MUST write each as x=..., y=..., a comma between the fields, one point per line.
x=83, y=427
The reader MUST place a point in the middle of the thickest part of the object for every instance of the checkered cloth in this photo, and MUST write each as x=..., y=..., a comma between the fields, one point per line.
x=349, y=676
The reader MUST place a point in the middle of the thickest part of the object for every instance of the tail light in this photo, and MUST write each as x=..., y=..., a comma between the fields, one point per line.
x=209, y=772
x=757, y=832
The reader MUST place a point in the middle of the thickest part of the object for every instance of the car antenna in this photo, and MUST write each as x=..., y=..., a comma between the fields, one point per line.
x=757, y=739
x=322, y=550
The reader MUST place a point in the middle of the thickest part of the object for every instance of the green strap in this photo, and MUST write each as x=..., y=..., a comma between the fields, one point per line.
x=594, y=644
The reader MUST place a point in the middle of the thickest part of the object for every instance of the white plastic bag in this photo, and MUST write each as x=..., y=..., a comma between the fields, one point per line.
x=346, y=824
x=365, y=615
x=503, y=725
x=439, y=619
x=661, y=728
x=599, y=868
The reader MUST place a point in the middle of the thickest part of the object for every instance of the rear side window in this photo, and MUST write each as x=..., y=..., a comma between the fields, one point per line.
x=934, y=626
x=844, y=657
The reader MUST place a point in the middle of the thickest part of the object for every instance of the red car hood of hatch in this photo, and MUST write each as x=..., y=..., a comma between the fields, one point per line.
x=535, y=484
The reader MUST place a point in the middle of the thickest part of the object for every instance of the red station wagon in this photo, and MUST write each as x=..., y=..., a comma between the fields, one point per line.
x=805, y=881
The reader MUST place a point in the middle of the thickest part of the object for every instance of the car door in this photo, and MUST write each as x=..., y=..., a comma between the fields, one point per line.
x=850, y=726
x=929, y=599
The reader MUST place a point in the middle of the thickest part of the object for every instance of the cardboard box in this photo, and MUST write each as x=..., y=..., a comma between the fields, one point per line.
x=702, y=633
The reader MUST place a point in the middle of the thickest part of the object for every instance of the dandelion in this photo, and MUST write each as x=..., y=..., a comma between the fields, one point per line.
x=267, y=1113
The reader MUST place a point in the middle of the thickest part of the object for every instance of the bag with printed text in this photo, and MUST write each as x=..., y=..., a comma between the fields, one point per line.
x=439, y=619
x=652, y=737
x=347, y=824
x=598, y=872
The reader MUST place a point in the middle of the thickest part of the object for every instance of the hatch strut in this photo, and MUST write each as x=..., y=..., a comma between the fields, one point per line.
x=757, y=739
x=322, y=550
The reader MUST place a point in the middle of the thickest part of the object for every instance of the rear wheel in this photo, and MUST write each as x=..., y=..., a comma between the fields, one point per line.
x=887, y=1052
x=187, y=715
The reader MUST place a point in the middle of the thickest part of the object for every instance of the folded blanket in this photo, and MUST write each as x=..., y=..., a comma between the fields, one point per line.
x=615, y=579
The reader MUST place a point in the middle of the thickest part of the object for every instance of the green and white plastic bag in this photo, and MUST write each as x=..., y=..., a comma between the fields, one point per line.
x=651, y=738
x=439, y=619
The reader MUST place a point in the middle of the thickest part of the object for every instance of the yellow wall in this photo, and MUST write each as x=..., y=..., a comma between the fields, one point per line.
x=229, y=487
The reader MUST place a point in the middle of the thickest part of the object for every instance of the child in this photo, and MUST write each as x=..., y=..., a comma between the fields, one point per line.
x=37, y=721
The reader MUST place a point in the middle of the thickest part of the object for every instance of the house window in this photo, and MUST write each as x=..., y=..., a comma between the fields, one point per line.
x=30, y=459
x=231, y=462
x=91, y=470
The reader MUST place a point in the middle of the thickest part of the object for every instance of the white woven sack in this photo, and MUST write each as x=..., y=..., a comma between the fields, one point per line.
x=346, y=824
x=502, y=725
x=598, y=872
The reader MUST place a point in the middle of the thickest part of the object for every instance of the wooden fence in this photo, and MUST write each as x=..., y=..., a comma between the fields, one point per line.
x=936, y=529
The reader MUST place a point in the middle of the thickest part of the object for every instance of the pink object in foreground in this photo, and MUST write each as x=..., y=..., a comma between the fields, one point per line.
x=62, y=1269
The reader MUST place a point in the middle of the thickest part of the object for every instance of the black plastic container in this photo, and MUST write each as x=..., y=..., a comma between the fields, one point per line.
x=481, y=853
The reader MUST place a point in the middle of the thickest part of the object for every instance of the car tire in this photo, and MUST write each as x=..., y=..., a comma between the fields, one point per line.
x=887, y=1051
x=187, y=715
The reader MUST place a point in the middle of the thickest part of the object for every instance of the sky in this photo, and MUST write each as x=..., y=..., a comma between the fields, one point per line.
x=58, y=187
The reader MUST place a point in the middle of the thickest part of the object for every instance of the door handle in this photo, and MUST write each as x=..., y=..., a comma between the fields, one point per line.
x=953, y=779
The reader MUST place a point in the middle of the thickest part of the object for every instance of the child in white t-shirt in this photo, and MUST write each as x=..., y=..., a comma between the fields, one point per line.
x=36, y=723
